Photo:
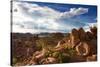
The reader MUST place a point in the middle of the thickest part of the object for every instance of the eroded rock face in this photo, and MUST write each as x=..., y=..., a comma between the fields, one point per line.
x=39, y=54
x=94, y=31
x=39, y=58
x=93, y=46
x=89, y=36
x=83, y=49
x=60, y=43
x=82, y=34
x=85, y=43
x=92, y=58
x=74, y=37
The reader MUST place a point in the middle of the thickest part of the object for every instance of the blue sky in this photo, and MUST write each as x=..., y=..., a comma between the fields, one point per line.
x=37, y=17
x=92, y=12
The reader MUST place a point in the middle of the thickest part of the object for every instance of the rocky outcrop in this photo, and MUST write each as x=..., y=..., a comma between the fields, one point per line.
x=83, y=49
x=78, y=46
x=60, y=43
x=74, y=37
x=92, y=58
x=85, y=43
x=94, y=31
x=82, y=34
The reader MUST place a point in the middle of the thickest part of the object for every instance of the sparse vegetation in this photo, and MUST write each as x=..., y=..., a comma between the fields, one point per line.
x=42, y=50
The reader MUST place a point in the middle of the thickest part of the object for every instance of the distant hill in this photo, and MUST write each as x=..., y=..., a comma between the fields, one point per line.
x=32, y=35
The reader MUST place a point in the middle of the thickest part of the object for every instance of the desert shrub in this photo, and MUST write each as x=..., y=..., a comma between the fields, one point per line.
x=61, y=56
x=48, y=53
x=14, y=60
x=38, y=45
x=41, y=43
x=67, y=53
x=71, y=51
x=55, y=54
x=28, y=44
x=65, y=58
x=68, y=49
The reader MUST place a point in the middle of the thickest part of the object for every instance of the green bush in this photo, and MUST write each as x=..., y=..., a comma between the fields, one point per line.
x=41, y=43
x=14, y=60
x=56, y=54
x=65, y=58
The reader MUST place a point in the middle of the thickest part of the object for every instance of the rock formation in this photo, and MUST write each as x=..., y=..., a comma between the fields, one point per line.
x=78, y=46
x=74, y=37
x=92, y=58
x=82, y=34
x=85, y=43
x=83, y=49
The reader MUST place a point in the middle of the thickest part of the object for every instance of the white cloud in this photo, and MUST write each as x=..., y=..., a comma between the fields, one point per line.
x=34, y=18
x=88, y=25
x=74, y=12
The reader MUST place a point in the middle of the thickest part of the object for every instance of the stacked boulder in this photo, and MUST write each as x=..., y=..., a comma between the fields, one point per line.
x=85, y=43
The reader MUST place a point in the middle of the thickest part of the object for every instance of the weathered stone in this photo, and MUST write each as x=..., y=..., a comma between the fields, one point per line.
x=89, y=36
x=83, y=49
x=92, y=58
x=74, y=37
x=93, y=46
x=60, y=43
x=77, y=58
x=94, y=31
x=82, y=34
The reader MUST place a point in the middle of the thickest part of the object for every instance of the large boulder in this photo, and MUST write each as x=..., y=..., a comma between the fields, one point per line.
x=82, y=34
x=92, y=58
x=93, y=46
x=83, y=49
x=74, y=37
x=89, y=36
x=94, y=31
x=87, y=48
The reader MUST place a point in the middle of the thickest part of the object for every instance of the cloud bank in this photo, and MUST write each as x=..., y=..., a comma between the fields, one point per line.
x=33, y=18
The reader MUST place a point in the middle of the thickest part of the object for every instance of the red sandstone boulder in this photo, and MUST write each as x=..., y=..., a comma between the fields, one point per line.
x=94, y=31
x=83, y=49
x=82, y=34
x=74, y=37
x=92, y=58
x=89, y=36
